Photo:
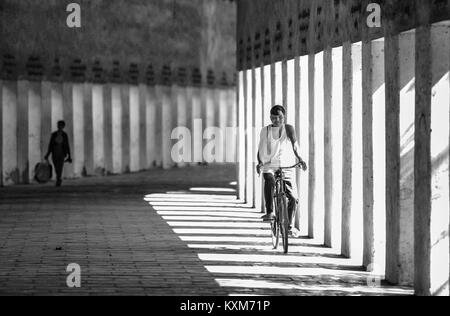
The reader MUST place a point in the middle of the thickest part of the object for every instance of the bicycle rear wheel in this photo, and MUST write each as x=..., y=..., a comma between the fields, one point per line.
x=275, y=229
x=284, y=223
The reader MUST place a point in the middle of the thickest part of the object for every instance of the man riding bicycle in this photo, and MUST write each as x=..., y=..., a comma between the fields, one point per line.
x=278, y=147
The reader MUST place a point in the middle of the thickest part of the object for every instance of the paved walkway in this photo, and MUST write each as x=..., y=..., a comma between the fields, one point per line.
x=176, y=232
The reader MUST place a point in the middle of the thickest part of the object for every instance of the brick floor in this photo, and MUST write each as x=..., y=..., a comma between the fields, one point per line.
x=149, y=234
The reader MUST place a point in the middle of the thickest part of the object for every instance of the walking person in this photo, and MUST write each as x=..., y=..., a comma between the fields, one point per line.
x=278, y=147
x=60, y=150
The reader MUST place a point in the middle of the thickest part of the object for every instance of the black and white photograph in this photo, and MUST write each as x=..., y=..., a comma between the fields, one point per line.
x=224, y=154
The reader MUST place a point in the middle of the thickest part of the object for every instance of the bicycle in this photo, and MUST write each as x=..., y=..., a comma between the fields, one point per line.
x=280, y=224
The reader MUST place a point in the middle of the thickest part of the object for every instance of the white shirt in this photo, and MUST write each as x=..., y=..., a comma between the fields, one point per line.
x=275, y=152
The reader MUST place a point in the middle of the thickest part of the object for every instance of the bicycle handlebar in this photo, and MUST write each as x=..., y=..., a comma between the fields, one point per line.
x=294, y=166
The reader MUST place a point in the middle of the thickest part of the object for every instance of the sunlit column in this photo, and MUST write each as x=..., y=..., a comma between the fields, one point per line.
x=241, y=137
x=134, y=128
x=77, y=121
x=46, y=115
x=88, y=168
x=336, y=141
x=267, y=95
x=107, y=116
x=278, y=84
x=257, y=119
x=125, y=128
x=374, y=163
x=22, y=131
x=150, y=122
x=166, y=119
x=328, y=150
x=303, y=139
x=312, y=147
x=143, y=160
x=319, y=201
x=98, y=118
x=250, y=166
x=347, y=150
x=431, y=203
x=116, y=115
x=34, y=127
x=198, y=125
x=8, y=135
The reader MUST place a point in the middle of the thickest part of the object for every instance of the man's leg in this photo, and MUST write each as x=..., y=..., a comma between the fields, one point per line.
x=291, y=192
x=59, y=164
x=269, y=187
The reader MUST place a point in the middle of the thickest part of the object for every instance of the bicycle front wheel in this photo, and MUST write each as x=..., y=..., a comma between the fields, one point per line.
x=284, y=223
x=275, y=230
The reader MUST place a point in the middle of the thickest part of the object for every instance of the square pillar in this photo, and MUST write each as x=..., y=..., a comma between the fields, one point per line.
x=108, y=129
x=258, y=121
x=98, y=129
x=134, y=148
x=125, y=95
x=78, y=126
x=241, y=137
x=88, y=167
x=143, y=164
x=116, y=115
x=250, y=165
x=9, y=116
x=150, y=122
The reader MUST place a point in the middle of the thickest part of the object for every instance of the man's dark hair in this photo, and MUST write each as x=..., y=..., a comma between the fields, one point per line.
x=62, y=123
x=277, y=109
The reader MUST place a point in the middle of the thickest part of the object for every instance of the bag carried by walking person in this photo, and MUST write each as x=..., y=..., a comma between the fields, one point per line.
x=43, y=172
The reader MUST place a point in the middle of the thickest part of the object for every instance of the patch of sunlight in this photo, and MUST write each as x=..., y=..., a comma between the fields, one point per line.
x=285, y=271
x=193, y=197
x=264, y=284
x=210, y=218
x=251, y=232
x=212, y=190
x=292, y=249
x=218, y=224
x=246, y=215
x=222, y=239
x=274, y=259
x=233, y=183
x=201, y=208
x=166, y=202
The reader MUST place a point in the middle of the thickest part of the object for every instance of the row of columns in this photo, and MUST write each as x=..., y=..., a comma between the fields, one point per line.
x=112, y=128
x=372, y=119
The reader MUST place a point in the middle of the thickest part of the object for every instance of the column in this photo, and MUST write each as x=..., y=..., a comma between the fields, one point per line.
x=116, y=109
x=303, y=138
x=439, y=149
x=241, y=137
x=197, y=124
x=336, y=141
x=46, y=116
x=34, y=129
x=257, y=119
x=312, y=148
x=22, y=131
x=98, y=129
x=357, y=156
x=166, y=119
x=158, y=125
x=181, y=116
x=108, y=129
x=319, y=188
x=134, y=129
x=151, y=119
x=143, y=161
x=88, y=167
x=267, y=95
x=9, y=117
x=347, y=152
x=277, y=84
x=77, y=116
x=374, y=152
x=125, y=94
x=328, y=150
x=67, y=94
x=250, y=165
x=431, y=202
x=400, y=161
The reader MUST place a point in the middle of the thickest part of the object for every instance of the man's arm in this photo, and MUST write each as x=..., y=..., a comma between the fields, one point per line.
x=291, y=134
x=50, y=146
x=66, y=140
